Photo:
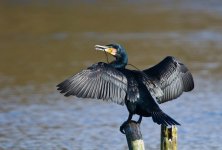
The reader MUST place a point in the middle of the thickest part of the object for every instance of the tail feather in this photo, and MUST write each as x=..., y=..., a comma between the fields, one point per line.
x=161, y=118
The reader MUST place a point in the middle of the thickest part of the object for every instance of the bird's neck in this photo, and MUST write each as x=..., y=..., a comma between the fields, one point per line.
x=120, y=62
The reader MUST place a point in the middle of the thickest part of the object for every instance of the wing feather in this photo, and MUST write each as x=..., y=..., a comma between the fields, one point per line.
x=172, y=77
x=99, y=81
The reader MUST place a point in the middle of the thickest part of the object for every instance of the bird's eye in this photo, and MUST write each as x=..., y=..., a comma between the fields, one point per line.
x=116, y=48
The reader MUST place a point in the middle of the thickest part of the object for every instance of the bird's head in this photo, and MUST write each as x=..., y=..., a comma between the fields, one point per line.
x=115, y=50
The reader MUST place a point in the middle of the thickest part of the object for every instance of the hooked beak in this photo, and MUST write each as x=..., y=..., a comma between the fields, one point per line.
x=107, y=49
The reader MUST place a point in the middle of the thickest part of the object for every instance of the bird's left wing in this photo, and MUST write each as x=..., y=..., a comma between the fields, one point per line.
x=99, y=81
x=172, y=76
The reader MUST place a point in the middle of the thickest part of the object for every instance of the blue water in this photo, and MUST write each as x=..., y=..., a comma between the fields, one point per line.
x=51, y=121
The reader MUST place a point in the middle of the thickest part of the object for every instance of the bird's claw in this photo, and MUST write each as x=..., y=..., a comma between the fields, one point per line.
x=122, y=127
x=125, y=123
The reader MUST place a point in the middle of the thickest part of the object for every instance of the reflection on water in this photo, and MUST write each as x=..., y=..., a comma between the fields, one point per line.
x=42, y=42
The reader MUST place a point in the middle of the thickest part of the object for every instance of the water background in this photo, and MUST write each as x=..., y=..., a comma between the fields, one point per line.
x=43, y=42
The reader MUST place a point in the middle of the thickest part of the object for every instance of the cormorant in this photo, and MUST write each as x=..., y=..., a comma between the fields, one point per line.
x=139, y=90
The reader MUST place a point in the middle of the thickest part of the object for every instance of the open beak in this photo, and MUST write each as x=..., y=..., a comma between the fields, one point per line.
x=107, y=49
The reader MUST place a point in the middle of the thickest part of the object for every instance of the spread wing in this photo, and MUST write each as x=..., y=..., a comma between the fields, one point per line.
x=172, y=76
x=100, y=81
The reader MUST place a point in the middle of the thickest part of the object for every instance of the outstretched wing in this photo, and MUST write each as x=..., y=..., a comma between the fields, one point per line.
x=100, y=81
x=172, y=76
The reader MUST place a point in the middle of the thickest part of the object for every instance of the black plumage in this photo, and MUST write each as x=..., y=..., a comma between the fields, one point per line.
x=172, y=77
x=99, y=81
x=139, y=90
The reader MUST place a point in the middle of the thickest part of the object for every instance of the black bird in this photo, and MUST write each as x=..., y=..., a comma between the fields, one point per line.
x=139, y=90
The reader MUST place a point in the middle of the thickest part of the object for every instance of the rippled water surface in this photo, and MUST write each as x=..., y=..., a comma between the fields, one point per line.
x=43, y=42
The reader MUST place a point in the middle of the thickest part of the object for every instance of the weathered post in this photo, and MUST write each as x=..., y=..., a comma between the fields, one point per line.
x=134, y=136
x=168, y=138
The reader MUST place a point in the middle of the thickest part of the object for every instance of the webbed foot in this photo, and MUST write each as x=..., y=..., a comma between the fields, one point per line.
x=123, y=126
x=125, y=123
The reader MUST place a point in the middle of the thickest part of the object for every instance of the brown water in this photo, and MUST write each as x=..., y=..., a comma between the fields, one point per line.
x=43, y=42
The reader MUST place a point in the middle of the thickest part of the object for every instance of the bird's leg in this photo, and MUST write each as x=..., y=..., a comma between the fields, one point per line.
x=139, y=120
x=124, y=123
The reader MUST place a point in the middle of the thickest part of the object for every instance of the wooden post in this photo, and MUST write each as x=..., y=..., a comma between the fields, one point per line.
x=168, y=138
x=134, y=136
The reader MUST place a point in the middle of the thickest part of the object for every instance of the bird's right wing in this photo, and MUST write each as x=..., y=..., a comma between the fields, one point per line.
x=99, y=81
x=173, y=78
